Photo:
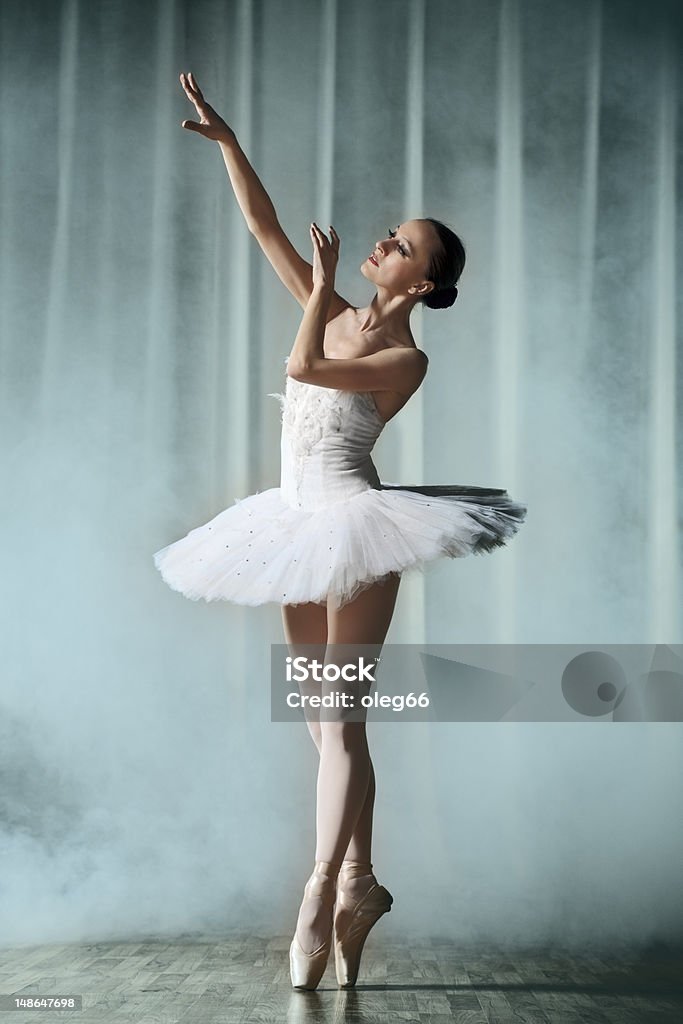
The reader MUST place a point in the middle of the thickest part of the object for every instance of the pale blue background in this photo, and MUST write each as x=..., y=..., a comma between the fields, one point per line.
x=143, y=787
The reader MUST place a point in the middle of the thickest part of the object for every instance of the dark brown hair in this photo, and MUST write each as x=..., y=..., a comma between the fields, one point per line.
x=445, y=267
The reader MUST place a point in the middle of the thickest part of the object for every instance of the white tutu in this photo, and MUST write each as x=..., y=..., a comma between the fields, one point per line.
x=332, y=527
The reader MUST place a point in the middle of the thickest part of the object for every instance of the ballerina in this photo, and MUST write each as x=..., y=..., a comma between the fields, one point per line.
x=332, y=542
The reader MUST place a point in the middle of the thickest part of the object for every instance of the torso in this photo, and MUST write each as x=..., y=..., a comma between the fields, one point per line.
x=344, y=340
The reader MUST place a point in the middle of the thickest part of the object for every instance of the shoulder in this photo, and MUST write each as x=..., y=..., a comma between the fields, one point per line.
x=418, y=359
x=421, y=358
x=413, y=359
x=408, y=363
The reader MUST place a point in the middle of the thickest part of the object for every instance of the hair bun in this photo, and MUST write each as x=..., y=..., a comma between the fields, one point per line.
x=441, y=298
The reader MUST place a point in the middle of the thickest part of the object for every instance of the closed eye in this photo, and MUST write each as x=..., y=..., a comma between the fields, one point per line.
x=401, y=249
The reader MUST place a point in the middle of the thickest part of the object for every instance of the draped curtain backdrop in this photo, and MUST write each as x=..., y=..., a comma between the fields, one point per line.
x=144, y=788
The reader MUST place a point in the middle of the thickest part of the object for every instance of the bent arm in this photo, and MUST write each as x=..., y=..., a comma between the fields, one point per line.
x=391, y=369
x=307, y=350
x=259, y=213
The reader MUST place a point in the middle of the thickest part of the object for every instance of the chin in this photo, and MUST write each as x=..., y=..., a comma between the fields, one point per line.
x=364, y=269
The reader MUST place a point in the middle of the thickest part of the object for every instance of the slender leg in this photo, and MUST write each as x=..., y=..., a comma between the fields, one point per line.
x=346, y=785
x=360, y=845
x=346, y=781
x=305, y=629
x=345, y=772
x=306, y=625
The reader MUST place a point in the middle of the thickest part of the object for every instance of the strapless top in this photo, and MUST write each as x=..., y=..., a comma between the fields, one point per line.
x=326, y=444
x=332, y=527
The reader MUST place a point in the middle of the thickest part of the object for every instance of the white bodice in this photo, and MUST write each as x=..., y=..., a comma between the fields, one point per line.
x=327, y=437
x=332, y=527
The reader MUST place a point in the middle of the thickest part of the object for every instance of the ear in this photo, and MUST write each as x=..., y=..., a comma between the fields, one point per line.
x=421, y=289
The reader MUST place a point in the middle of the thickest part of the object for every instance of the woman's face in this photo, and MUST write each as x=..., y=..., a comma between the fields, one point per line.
x=400, y=262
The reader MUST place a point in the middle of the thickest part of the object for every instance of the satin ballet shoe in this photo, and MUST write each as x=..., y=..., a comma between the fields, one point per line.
x=306, y=969
x=365, y=912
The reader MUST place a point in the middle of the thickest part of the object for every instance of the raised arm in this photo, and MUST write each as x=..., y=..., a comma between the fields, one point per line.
x=255, y=203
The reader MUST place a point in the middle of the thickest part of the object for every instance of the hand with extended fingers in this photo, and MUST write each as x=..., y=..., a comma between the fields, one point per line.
x=325, y=256
x=211, y=125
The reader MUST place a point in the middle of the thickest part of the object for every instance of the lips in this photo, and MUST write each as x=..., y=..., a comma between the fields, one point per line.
x=372, y=259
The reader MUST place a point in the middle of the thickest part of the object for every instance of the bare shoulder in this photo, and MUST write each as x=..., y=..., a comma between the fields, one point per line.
x=422, y=360
x=411, y=363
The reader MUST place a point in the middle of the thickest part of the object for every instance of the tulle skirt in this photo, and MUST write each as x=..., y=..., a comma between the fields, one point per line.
x=262, y=550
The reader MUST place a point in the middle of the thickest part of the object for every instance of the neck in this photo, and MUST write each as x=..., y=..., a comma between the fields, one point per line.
x=387, y=312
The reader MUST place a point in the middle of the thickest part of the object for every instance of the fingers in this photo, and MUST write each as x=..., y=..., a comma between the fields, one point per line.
x=188, y=91
x=322, y=237
x=319, y=240
x=193, y=126
x=187, y=82
x=196, y=88
x=191, y=89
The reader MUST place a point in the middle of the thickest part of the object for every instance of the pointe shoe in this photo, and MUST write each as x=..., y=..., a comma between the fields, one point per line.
x=306, y=969
x=365, y=912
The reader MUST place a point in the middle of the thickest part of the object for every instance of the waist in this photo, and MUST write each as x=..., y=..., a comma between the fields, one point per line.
x=319, y=478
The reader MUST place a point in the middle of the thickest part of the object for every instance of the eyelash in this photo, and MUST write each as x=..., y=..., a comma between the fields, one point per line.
x=392, y=234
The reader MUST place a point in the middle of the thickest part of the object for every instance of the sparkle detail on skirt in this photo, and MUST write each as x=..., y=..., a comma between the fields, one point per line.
x=274, y=545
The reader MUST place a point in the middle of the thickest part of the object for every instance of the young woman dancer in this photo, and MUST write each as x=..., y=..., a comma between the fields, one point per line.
x=331, y=543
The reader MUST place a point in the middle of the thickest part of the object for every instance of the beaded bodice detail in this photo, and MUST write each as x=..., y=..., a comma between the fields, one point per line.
x=308, y=413
x=327, y=438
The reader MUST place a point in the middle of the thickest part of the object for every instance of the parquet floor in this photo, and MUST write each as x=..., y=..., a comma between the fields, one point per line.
x=247, y=980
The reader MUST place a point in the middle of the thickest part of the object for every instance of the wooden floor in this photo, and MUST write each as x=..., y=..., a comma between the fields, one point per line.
x=233, y=981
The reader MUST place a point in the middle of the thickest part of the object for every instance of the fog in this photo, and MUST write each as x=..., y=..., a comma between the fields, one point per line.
x=144, y=789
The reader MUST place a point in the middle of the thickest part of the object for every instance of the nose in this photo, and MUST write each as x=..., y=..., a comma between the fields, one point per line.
x=379, y=247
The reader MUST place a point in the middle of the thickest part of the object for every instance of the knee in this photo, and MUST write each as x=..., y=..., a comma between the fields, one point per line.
x=316, y=734
x=348, y=736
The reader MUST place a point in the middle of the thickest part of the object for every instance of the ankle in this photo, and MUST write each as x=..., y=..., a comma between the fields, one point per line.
x=356, y=874
x=323, y=878
x=327, y=867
